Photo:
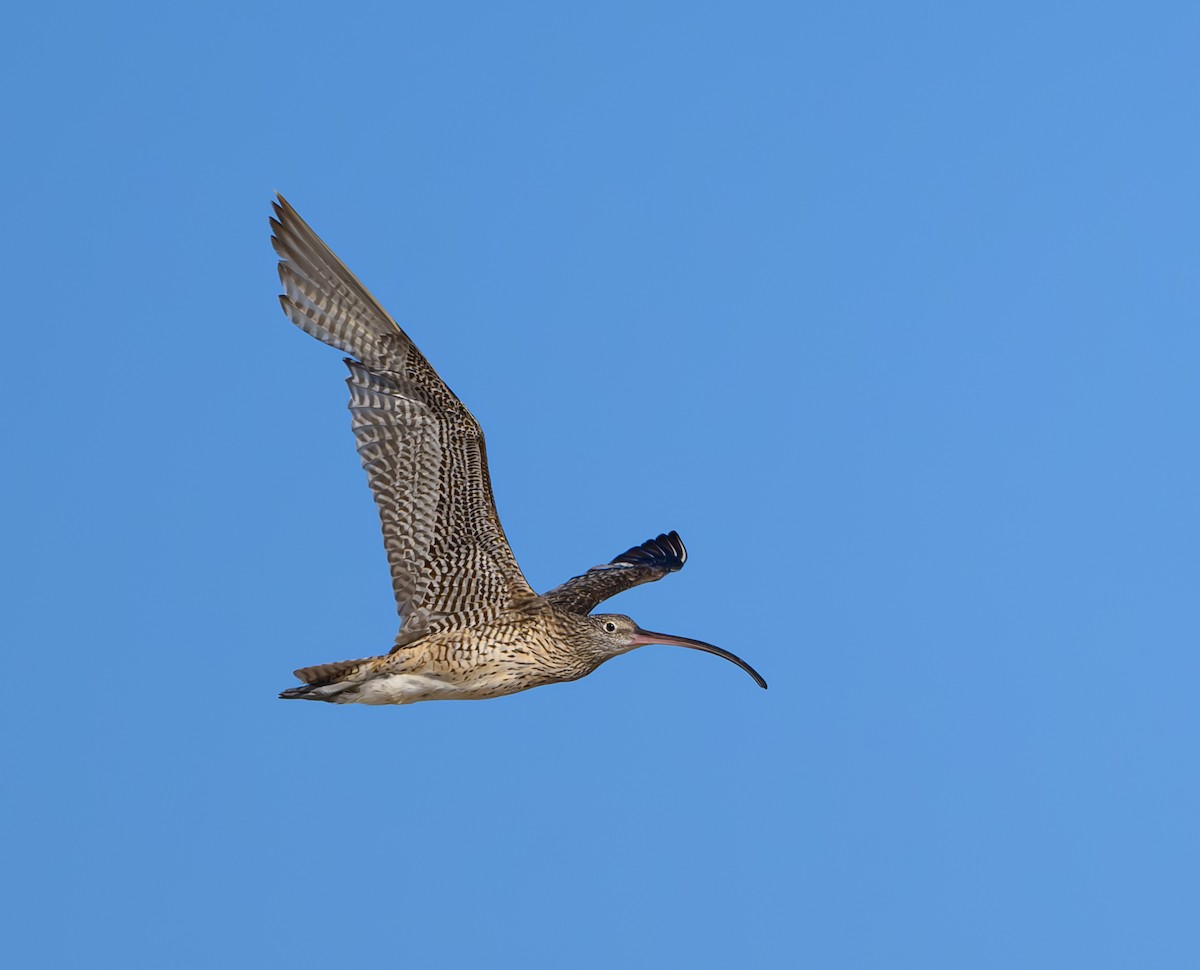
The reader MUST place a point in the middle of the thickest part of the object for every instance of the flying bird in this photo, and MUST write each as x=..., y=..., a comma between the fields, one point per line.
x=470, y=625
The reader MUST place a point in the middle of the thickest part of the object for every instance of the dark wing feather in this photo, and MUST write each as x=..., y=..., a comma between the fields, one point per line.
x=422, y=449
x=650, y=561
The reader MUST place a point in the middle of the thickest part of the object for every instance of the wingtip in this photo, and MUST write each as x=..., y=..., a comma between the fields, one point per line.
x=285, y=215
x=665, y=549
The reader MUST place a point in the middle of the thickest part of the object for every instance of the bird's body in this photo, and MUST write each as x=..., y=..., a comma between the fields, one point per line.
x=471, y=628
x=518, y=650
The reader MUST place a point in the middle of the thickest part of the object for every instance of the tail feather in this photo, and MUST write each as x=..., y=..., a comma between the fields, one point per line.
x=316, y=692
x=321, y=674
x=324, y=681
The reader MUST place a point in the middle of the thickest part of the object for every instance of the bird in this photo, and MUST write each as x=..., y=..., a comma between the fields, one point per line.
x=471, y=627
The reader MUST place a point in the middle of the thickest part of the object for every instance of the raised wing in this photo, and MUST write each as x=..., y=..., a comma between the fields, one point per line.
x=422, y=449
x=650, y=561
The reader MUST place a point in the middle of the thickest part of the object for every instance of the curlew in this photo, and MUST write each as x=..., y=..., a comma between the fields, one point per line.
x=470, y=625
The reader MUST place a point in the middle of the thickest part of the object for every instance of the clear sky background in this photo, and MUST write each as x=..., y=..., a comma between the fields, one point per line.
x=890, y=309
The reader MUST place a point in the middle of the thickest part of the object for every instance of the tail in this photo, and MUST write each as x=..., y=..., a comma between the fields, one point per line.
x=325, y=681
x=323, y=298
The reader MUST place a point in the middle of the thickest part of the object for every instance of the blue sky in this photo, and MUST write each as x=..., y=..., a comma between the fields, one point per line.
x=891, y=310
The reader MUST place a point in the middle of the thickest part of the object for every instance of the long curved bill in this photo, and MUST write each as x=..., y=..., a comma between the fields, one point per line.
x=642, y=637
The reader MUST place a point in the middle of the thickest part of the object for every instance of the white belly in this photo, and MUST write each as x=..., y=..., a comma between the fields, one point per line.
x=410, y=688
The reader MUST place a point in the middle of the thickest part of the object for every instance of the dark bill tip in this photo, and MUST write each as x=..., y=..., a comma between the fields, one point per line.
x=646, y=636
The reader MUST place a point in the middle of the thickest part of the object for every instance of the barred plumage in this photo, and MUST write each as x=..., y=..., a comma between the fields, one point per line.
x=422, y=449
x=471, y=627
x=650, y=561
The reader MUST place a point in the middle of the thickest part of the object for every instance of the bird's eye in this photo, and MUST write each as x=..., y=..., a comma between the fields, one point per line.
x=610, y=627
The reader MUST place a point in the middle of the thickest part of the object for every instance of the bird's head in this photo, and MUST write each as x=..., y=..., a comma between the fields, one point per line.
x=618, y=634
